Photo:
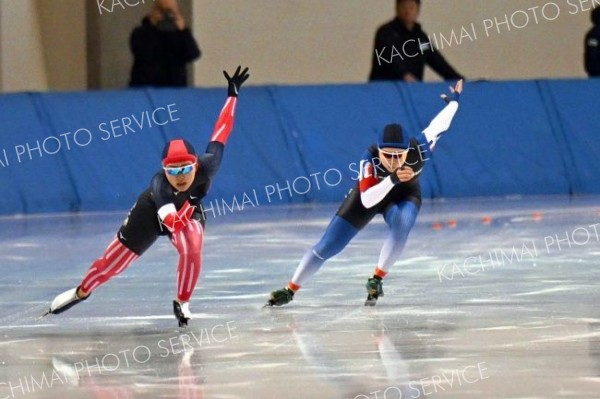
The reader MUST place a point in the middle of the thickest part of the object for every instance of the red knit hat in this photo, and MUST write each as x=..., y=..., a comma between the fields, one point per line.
x=177, y=151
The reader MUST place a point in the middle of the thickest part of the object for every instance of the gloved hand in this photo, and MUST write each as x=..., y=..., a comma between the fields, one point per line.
x=455, y=92
x=236, y=81
x=173, y=222
x=176, y=221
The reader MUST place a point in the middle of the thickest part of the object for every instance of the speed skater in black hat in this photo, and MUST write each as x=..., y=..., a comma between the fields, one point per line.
x=388, y=184
x=169, y=207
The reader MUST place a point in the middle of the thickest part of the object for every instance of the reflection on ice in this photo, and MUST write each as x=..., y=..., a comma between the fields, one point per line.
x=526, y=328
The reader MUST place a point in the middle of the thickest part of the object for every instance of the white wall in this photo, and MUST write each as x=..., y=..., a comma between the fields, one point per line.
x=319, y=41
x=62, y=26
x=291, y=41
x=22, y=57
x=286, y=41
x=548, y=49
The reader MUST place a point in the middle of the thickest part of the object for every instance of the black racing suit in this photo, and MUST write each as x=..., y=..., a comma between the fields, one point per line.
x=353, y=210
x=143, y=225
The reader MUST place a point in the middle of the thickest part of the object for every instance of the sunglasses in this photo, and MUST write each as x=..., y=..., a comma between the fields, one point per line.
x=179, y=170
x=393, y=155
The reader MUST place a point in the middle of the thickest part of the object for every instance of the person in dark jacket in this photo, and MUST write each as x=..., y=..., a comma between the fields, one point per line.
x=162, y=47
x=592, y=46
x=402, y=49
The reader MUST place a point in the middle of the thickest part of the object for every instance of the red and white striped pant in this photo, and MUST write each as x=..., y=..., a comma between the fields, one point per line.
x=118, y=257
x=188, y=242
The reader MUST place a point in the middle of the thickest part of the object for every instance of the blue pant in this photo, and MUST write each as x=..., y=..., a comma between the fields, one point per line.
x=400, y=218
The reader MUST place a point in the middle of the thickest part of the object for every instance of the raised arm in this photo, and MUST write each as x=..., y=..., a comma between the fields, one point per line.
x=224, y=124
x=210, y=161
x=442, y=121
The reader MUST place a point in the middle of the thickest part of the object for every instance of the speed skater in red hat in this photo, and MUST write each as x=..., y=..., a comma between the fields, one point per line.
x=169, y=207
x=388, y=184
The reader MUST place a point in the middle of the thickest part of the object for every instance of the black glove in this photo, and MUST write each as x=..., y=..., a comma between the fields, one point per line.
x=236, y=81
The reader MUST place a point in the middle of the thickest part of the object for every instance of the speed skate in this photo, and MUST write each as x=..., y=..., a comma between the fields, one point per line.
x=63, y=302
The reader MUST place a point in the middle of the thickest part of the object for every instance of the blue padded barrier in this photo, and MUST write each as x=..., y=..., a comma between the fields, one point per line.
x=494, y=146
x=332, y=127
x=98, y=150
x=29, y=187
x=574, y=107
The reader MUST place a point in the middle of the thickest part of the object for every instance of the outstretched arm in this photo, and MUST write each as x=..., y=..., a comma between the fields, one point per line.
x=210, y=161
x=442, y=121
x=224, y=124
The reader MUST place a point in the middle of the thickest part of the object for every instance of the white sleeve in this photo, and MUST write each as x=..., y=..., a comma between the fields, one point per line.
x=440, y=123
x=166, y=209
x=373, y=195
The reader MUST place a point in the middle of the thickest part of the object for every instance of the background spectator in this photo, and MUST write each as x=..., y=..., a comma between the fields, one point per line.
x=402, y=48
x=162, y=47
x=592, y=43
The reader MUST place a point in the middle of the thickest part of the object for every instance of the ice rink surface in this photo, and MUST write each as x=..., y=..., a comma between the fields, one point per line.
x=494, y=298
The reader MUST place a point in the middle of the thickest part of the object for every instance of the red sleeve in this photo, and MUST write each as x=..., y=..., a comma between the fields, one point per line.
x=224, y=124
x=366, y=178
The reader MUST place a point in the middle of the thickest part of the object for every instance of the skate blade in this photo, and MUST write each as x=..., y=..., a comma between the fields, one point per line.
x=269, y=304
x=370, y=301
x=44, y=315
x=183, y=324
